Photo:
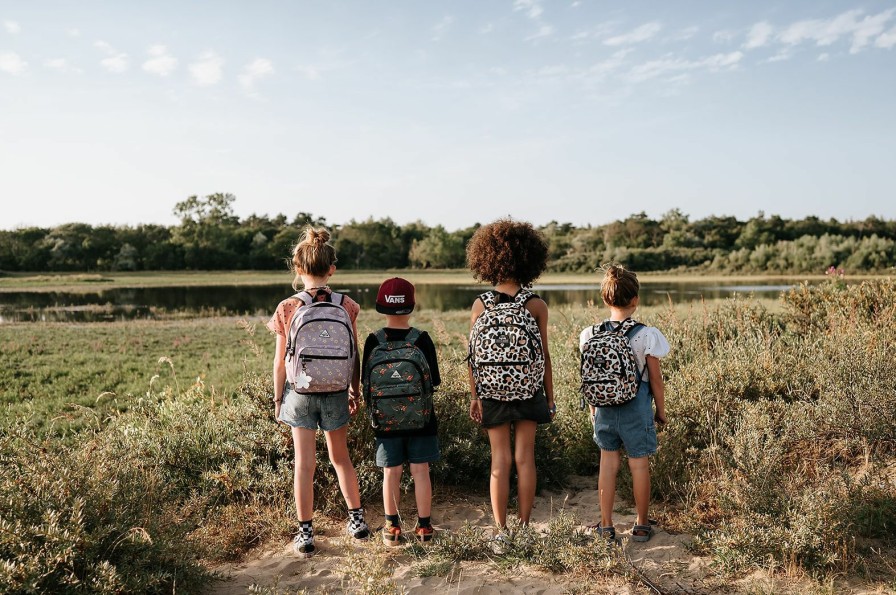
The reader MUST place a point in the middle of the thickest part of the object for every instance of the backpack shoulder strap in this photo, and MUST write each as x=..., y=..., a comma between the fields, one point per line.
x=413, y=335
x=523, y=296
x=633, y=329
x=381, y=336
x=336, y=298
x=304, y=297
x=488, y=299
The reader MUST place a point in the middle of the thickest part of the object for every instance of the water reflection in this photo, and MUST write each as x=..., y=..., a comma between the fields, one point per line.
x=244, y=300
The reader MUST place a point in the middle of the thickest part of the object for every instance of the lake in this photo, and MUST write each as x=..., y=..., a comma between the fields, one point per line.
x=249, y=300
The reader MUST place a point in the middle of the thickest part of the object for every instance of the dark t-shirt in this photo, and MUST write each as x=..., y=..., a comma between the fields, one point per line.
x=424, y=342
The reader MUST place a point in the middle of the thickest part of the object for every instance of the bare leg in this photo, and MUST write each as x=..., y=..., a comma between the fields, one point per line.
x=305, y=447
x=640, y=469
x=342, y=463
x=499, y=484
x=392, y=488
x=524, y=457
x=422, y=488
x=606, y=485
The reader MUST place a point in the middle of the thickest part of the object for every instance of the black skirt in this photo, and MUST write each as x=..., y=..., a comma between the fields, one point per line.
x=495, y=413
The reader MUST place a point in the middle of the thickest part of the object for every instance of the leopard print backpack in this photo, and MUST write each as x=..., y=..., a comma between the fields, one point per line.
x=610, y=374
x=506, y=354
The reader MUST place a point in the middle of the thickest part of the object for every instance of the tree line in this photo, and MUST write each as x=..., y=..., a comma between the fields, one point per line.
x=210, y=236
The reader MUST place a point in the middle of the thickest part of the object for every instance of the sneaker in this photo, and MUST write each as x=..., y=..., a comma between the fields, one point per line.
x=392, y=534
x=501, y=543
x=303, y=545
x=357, y=526
x=424, y=534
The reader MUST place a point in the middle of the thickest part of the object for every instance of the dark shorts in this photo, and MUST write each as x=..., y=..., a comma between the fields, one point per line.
x=495, y=413
x=630, y=425
x=392, y=452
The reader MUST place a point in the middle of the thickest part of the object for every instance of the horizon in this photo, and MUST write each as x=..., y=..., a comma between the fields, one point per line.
x=576, y=111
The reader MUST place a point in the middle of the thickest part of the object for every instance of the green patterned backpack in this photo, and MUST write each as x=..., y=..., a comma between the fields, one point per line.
x=398, y=384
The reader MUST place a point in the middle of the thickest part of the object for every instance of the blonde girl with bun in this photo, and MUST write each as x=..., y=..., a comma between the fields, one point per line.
x=314, y=262
x=632, y=425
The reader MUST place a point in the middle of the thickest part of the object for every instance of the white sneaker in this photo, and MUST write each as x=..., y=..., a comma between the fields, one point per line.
x=357, y=526
x=501, y=543
x=303, y=545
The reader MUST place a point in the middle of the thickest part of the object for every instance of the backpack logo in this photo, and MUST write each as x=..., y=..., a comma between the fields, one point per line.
x=502, y=341
x=394, y=299
x=395, y=374
x=324, y=334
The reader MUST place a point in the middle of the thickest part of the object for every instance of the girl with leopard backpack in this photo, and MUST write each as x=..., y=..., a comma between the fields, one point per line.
x=317, y=380
x=510, y=374
x=621, y=381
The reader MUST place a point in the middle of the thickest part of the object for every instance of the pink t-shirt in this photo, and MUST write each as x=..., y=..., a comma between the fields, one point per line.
x=279, y=322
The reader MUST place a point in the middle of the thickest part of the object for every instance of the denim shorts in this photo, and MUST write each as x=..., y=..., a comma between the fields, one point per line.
x=629, y=425
x=391, y=452
x=328, y=412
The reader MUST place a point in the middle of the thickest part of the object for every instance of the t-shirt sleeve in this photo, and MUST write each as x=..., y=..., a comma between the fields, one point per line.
x=655, y=343
x=279, y=322
x=424, y=342
x=586, y=334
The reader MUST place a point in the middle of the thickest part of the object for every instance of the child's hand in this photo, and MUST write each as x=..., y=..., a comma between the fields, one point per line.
x=277, y=411
x=476, y=410
x=660, y=418
x=353, y=401
x=552, y=407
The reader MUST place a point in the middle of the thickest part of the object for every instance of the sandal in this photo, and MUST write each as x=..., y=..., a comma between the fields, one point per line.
x=646, y=531
x=608, y=533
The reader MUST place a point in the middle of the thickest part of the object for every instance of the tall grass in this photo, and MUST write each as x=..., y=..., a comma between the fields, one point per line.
x=779, y=452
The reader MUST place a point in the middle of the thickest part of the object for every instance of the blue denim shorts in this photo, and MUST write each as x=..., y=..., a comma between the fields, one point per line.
x=328, y=412
x=391, y=452
x=629, y=425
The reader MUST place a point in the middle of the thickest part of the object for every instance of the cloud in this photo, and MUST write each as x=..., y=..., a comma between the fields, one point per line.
x=825, y=32
x=781, y=56
x=312, y=73
x=254, y=71
x=724, y=36
x=543, y=31
x=73, y=32
x=759, y=35
x=208, y=69
x=160, y=63
x=576, y=4
x=532, y=8
x=636, y=35
x=61, y=65
x=686, y=33
x=115, y=62
x=487, y=28
x=824, y=57
x=11, y=63
x=887, y=40
x=677, y=66
x=12, y=27
x=442, y=27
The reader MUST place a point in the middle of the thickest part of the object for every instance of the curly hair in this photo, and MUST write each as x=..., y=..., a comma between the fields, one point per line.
x=507, y=250
x=619, y=286
x=312, y=255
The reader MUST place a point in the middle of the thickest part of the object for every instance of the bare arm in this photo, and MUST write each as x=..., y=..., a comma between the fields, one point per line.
x=475, y=403
x=657, y=387
x=279, y=373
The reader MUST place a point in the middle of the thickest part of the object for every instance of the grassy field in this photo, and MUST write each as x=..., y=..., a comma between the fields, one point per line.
x=780, y=452
x=99, y=281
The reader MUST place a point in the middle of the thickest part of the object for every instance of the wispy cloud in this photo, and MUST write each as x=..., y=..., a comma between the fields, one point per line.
x=824, y=57
x=686, y=33
x=724, y=36
x=675, y=66
x=12, y=63
x=826, y=32
x=636, y=35
x=12, y=27
x=543, y=31
x=208, y=69
x=115, y=62
x=486, y=28
x=887, y=40
x=73, y=32
x=255, y=71
x=532, y=8
x=440, y=28
x=782, y=55
x=160, y=62
x=759, y=35
x=61, y=65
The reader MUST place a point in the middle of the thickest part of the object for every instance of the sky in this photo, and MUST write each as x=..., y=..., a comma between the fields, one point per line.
x=449, y=113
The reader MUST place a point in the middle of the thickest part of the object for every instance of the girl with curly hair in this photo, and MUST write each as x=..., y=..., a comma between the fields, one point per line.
x=509, y=365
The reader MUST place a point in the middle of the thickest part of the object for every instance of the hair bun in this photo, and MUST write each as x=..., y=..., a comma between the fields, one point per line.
x=316, y=237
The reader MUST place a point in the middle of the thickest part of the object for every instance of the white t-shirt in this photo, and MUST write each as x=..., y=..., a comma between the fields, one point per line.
x=648, y=340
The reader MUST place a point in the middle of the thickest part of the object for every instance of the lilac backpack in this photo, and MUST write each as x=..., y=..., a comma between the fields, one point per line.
x=320, y=347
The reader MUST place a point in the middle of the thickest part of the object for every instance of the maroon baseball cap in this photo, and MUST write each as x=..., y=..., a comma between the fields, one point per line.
x=396, y=296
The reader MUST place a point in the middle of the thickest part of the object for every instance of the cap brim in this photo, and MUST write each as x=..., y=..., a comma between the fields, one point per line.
x=399, y=311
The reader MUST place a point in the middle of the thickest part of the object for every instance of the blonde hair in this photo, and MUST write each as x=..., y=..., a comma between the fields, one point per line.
x=313, y=255
x=619, y=286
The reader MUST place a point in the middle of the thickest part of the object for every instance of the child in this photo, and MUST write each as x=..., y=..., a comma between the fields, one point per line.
x=630, y=425
x=419, y=444
x=511, y=383
x=314, y=262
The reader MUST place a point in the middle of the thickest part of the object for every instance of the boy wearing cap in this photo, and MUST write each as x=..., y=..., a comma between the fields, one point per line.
x=418, y=447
